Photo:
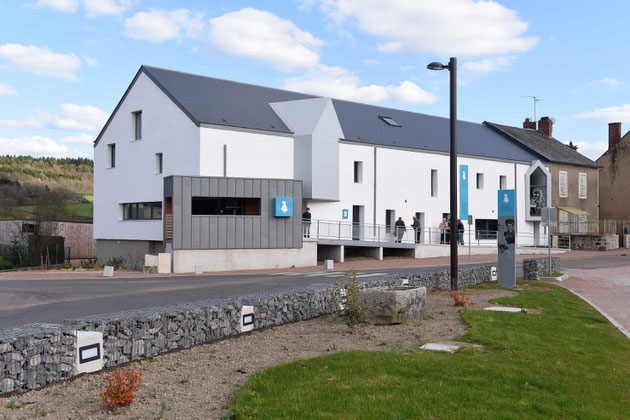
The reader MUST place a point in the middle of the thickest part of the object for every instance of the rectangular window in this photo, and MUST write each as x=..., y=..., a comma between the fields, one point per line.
x=225, y=206
x=358, y=172
x=486, y=228
x=142, y=211
x=502, y=182
x=158, y=163
x=111, y=155
x=582, y=187
x=137, y=125
x=563, y=187
x=434, y=183
x=390, y=219
x=480, y=181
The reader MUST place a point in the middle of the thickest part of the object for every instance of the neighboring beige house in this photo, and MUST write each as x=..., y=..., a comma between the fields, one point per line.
x=614, y=178
x=574, y=177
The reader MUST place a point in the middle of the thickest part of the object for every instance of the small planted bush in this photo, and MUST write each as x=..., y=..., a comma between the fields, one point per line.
x=346, y=295
x=120, y=387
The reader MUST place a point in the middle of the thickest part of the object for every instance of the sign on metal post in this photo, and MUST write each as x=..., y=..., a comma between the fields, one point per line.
x=549, y=219
x=463, y=192
x=506, y=238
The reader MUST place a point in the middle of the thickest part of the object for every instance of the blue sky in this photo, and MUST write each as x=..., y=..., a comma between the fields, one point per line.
x=64, y=64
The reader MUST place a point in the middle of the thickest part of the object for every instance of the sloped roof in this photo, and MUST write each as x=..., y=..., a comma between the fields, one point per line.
x=208, y=100
x=552, y=149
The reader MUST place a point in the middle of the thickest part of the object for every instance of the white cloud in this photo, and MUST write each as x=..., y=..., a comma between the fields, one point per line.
x=7, y=90
x=42, y=61
x=68, y=6
x=608, y=82
x=37, y=120
x=370, y=62
x=34, y=145
x=79, y=118
x=489, y=64
x=92, y=62
x=339, y=83
x=82, y=138
x=606, y=115
x=161, y=25
x=447, y=27
x=591, y=150
x=105, y=7
x=264, y=36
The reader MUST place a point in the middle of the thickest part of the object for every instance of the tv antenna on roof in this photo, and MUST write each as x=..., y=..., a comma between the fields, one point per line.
x=535, y=100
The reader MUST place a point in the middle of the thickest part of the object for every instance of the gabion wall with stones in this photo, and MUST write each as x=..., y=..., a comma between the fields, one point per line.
x=533, y=268
x=594, y=242
x=35, y=355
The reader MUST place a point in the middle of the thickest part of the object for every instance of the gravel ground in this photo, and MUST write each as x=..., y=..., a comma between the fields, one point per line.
x=200, y=383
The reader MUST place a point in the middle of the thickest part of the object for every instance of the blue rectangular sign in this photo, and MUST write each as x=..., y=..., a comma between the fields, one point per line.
x=283, y=206
x=463, y=192
x=507, y=203
x=344, y=213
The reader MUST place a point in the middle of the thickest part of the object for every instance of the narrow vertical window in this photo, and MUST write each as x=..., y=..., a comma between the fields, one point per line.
x=434, y=183
x=111, y=155
x=159, y=162
x=480, y=181
x=358, y=172
x=563, y=187
x=582, y=187
x=137, y=125
x=502, y=182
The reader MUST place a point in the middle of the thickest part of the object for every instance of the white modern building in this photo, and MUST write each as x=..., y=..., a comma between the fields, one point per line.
x=195, y=166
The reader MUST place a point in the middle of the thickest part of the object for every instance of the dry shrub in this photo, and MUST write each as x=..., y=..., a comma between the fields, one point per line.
x=121, y=386
x=347, y=295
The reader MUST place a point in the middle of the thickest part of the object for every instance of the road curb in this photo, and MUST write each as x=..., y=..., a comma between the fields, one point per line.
x=601, y=311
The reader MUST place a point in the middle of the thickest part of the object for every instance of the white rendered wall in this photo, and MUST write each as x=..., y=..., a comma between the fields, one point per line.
x=249, y=155
x=165, y=129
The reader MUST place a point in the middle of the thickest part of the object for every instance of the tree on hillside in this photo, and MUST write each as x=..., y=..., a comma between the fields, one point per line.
x=572, y=145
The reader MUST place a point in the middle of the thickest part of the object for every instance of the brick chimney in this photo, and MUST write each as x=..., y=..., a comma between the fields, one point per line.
x=545, y=126
x=614, y=134
x=529, y=124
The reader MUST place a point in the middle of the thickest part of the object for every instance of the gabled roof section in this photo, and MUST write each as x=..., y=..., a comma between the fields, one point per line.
x=552, y=149
x=363, y=123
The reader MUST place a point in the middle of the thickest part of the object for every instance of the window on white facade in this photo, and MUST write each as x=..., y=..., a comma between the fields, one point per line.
x=137, y=125
x=142, y=211
x=390, y=219
x=563, y=187
x=582, y=185
x=434, y=183
x=502, y=182
x=111, y=155
x=358, y=172
x=480, y=181
x=159, y=162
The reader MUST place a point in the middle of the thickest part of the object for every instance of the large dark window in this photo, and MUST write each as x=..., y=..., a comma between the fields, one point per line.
x=213, y=206
x=486, y=228
x=143, y=211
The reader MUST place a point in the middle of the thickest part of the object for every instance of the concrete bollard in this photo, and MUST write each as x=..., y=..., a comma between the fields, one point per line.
x=329, y=264
x=198, y=269
x=108, y=271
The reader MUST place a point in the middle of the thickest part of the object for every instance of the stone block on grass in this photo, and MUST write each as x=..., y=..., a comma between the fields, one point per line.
x=394, y=305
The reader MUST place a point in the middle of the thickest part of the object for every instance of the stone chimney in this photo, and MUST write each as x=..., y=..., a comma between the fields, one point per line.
x=614, y=134
x=529, y=124
x=545, y=125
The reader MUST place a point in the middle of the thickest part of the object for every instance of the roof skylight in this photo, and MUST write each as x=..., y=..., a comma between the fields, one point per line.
x=390, y=121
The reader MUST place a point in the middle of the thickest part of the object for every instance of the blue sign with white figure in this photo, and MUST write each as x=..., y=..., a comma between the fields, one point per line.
x=463, y=192
x=283, y=206
x=344, y=213
x=507, y=203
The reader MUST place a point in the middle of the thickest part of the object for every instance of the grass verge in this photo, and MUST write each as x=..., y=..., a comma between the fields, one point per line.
x=568, y=362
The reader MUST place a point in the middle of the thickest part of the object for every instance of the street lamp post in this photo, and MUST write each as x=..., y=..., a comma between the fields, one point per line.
x=452, y=68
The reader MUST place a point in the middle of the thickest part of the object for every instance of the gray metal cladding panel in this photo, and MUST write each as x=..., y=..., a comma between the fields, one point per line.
x=249, y=233
x=249, y=188
x=214, y=188
x=297, y=218
x=240, y=232
x=186, y=212
x=264, y=213
x=205, y=187
x=223, y=187
x=214, y=233
x=222, y=232
x=168, y=186
x=256, y=188
x=240, y=188
x=231, y=232
x=177, y=213
x=204, y=233
x=256, y=232
x=231, y=190
x=196, y=187
x=273, y=221
x=196, y=233
x=281, y=222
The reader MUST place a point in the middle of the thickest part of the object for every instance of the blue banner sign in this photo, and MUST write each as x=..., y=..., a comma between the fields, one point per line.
x=507, y=203
x=283, y=206
x=344, y=213
x=463, y=192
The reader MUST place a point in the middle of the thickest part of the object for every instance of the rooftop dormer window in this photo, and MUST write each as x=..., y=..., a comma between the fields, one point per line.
x=390, y=121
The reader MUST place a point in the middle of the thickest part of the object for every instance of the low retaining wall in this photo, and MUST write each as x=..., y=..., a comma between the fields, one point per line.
x=594, y=242
x=39, y=354
x=533, y=268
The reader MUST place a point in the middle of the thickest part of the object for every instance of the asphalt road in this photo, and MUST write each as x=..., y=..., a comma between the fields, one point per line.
x=53, y=300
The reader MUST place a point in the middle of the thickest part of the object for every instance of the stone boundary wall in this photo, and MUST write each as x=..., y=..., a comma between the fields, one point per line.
x=39, y=354
x=533, y=268
x=594, y=242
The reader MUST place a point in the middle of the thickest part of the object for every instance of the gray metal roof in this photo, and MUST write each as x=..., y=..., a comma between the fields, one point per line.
x=361, y=122
x=552, y=149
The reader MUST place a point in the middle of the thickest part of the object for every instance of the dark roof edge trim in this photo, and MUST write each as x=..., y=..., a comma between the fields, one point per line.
x=133, y=82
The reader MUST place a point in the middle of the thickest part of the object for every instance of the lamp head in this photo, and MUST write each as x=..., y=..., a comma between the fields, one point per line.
x=437, y=66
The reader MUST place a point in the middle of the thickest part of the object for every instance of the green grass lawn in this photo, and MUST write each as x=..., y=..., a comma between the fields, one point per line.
x=568, y=362
x=77, y=211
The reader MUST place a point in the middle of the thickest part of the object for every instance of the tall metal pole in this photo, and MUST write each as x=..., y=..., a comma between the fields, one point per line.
x=454, y=177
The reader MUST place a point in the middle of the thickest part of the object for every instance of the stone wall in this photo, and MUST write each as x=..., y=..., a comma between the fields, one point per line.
x=594, y=242
x=533, y=268
x=35, y=355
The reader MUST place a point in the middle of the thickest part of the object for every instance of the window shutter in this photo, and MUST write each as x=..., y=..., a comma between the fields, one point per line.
x=582, y=187
x=564, y=187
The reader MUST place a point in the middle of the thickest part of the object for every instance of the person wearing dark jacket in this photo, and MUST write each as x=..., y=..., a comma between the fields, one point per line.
x=416, y=228
x=460, y=231
x=400, y=229
x=306, y=222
